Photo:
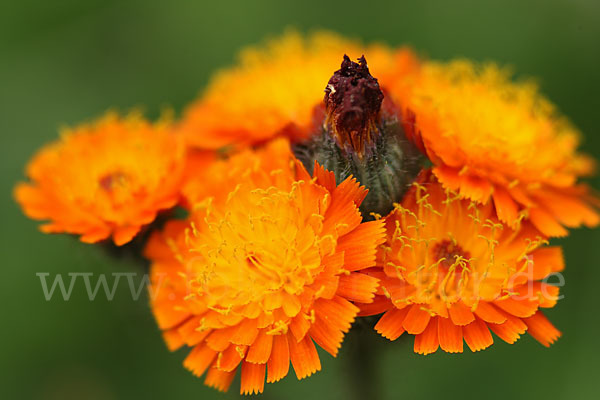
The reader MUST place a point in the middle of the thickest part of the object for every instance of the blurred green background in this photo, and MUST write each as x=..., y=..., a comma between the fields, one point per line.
x=62, y=62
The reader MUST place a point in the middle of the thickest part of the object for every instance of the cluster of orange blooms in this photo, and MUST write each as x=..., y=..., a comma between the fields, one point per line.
x=272, y=260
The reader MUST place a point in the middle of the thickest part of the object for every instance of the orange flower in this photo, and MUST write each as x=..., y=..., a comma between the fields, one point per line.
x=451, y=271
x=274, y=89
x=263, y=270
x=108, y=178
x=490, y=138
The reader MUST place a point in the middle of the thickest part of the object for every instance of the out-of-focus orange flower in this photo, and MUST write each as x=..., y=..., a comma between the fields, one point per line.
x=275, y=88
x=107, y=178
x=209, y=175
x=451, y=271
x=263, y=269
x=492, y=139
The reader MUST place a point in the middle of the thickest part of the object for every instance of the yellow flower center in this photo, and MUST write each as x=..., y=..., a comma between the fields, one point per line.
x=448, y=250
x=262, y=243
x=111, y=180
x=448, y=253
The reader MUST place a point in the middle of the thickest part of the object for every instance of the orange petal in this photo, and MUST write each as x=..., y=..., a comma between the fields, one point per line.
x=170, y=313
x=450, y=336
x=427, y=342
x=416, y=320
x=279, y=362
x=32, y=201
x=324, y=177
x=511, y=330
x=233, y=319
x=520, y=195
x=173, y=339
x=448, y=176
x=469, y=186
x=199, y=359
x=246, y=332
x=569, y=208
x=125, y=234
x=291, y=304
x=546, y=223
x=350, y=190
x=220, y=339
x=360, y=245
x=399, y=290
x=219, y=380
x=543, y=294
x=299, y=326
x=337, y=312
x=519, y=308
x=390, y=325
x=190, y=333
x=477, y=335
x=326, y=335
x=333, y=263
x=379, y=305
x=260, y=351
x=326, y=285
x=476, y=188
x=229, y=359
x=541, y=329
x=546, y=260
x=548, y=294
x=92, y=236
x=342, y=215
x=506, y=208
x=157, y=247
x=272, y=301
x=304, y=357
x=461, y=314
x=253, y=378
x=489, y=313
x=357, y=287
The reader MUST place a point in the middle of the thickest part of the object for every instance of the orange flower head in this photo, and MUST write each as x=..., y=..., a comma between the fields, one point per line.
x=451, y=271
x=274, y=89
x=107, y=178
x=262, y=271
x=490, y=138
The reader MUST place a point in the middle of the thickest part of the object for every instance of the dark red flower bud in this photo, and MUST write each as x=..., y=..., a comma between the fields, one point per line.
x=353, y=103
